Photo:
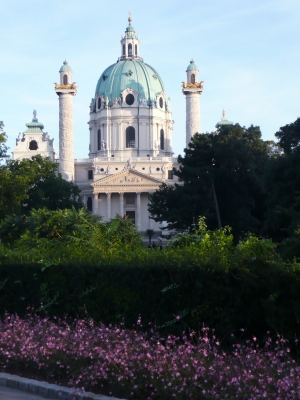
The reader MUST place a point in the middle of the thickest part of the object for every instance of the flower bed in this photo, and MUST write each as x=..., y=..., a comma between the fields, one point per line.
x=133, y=365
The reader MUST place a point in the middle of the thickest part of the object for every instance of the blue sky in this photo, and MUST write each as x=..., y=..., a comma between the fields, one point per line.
x=247, y=52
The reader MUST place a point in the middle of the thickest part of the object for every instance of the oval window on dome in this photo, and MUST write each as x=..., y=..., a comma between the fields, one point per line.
x=129, y=99
x=99, y=103
x=161, y=102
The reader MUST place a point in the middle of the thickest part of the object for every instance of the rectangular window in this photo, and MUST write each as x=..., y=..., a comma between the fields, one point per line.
x=130, y=198
x=131, y=215
x=90, y=174
x=89, y=204
x=170, y=174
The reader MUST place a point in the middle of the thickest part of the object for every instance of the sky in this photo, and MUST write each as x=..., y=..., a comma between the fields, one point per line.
x=247, y=52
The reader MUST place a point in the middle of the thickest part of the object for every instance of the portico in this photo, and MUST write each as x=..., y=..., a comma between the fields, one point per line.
x=125, y=193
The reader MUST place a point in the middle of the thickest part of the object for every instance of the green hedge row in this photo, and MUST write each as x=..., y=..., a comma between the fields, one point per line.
x=257, y=295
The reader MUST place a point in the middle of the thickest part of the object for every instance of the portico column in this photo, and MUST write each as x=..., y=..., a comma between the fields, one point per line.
x=85, y=200
x=121, y=204
x=138, y=211
x=95, y=205
x=150, y=220
x=108, y=197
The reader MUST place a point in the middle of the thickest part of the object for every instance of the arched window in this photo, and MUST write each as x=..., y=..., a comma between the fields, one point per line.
x=130, y=137
x=33, y=145
x=130, y=50
x=99, y=139
x=135, y=50
x=162, y=139
x=193, y=78
x=161, y=102
x=65, y=79
x=99, y=103
x=123, y=49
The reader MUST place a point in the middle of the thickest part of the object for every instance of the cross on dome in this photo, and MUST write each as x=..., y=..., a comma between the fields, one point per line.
x=129, y=18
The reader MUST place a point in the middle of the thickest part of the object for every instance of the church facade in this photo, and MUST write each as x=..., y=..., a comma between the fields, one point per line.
x=130, y=125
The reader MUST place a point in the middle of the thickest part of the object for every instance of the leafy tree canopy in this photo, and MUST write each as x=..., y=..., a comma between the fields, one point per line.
x=282, y=181
x=46, y=230
x=3, y=139
x=226, y=169
x=34, y=183
x=289, y=136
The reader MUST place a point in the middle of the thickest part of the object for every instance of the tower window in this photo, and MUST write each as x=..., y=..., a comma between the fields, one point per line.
x=123, y=49
x=161, y=102
x=99, y=103
x=129, y=99
x=33, y=145
x=162, y=139
x=99, y=139
x=130, y=50
x=193, y=78
x=89, y=204
x=135, y=50
x=90, y=174
x=65, y=79
x=130, y=137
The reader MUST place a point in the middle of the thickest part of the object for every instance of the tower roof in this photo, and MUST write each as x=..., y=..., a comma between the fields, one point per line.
x=224, y=120
x=192, y=66
x=65, y=67
x=35, y=126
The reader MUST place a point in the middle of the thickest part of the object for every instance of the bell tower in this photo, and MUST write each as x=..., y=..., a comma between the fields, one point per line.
x=192, y=90
x=65, y=91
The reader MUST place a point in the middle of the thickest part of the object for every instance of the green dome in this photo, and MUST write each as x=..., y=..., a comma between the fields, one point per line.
x=134, y=74
x=192, y=67
x=65, y=67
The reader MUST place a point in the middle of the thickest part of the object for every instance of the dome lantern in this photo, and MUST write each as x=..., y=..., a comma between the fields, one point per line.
x=130, y=44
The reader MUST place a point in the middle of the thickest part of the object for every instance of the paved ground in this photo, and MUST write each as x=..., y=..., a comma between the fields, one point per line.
x=12, y=394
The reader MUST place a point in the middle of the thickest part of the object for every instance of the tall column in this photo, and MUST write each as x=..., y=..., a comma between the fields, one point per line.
x=85, y=200
x=150, y=220
x=121, y=204
x=138, y=211
x=192, y=90
x=95, y=205
x=66, y=90
x=108, y=206
x=192, y=116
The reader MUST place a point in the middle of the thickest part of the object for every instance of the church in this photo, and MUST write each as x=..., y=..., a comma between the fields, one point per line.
x=130, y=124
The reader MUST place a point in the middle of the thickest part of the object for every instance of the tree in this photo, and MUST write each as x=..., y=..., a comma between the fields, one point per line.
x=34, y=183
x=3, y=139
x=282, y=181
x=221, y=178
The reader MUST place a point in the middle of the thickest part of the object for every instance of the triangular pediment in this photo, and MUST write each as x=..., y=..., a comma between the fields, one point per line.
x=129, y=177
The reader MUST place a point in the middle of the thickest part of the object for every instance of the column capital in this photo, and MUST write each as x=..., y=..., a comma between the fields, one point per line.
x=96, y=195
x=121, y=194
x=108, y=194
